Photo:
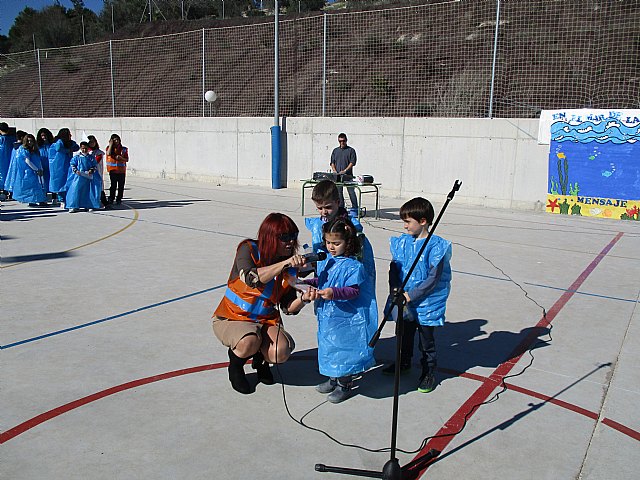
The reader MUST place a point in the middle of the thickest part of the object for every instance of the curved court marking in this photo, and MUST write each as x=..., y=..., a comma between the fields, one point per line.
x=453, y=426
x=43, y=417
x=134, y=220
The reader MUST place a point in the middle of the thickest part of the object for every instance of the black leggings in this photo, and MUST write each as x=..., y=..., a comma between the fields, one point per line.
x=117, y=180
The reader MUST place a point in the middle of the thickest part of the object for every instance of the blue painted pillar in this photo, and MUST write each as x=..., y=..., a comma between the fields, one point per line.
x=276, y=154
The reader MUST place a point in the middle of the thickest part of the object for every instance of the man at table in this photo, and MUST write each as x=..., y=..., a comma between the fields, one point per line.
x=343, y=159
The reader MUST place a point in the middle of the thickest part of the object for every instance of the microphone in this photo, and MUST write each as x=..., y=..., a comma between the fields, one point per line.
x=315, y=257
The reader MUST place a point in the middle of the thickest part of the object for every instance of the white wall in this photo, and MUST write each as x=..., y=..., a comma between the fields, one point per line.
x=498, y=160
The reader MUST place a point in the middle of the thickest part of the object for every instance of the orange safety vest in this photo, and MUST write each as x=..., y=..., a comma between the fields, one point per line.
x=249, y=304
x=118, y=166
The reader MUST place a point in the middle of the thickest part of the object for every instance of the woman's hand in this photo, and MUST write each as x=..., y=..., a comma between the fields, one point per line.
x=326, y=293
x=297, y=261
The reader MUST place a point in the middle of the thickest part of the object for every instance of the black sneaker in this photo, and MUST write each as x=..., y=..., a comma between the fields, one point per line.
x=391, y=369
x=427, y=383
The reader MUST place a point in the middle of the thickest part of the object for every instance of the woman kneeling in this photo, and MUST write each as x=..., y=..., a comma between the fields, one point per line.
x=248, y=319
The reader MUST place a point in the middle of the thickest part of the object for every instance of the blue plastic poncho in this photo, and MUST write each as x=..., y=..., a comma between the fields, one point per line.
x=28, y=186
x=59, y=161
x=429, y=312
x=314, y=225
x=345, y=326
x=79, y=191
x=44, y=156
x=13, y=168
x=6, y=147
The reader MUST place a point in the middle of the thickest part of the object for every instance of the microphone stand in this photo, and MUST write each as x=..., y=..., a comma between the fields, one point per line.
x=392, y=469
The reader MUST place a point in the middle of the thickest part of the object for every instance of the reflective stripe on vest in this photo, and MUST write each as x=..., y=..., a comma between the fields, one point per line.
x=253, y=309
x=241, y=302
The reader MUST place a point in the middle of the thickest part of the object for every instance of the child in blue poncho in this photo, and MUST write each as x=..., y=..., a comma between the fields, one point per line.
x=346, y=310
x=326, y=198
x=28, y=186
x=60, y=153
x=80, y=193
x=426, y=291
x=7, y=139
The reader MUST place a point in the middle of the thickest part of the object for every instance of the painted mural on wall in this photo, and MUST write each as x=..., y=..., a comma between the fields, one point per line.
x=594, y=162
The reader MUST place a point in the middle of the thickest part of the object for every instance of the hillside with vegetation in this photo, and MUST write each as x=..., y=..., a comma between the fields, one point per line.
x=421, y=61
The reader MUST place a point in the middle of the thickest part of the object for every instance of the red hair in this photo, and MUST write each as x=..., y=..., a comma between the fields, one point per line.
x=273, y=225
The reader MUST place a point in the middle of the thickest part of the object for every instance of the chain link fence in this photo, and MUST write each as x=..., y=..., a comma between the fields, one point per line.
x=480, y=58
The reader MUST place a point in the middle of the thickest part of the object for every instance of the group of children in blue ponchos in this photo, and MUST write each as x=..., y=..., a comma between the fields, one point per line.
x=345, y=301
x=32, y=167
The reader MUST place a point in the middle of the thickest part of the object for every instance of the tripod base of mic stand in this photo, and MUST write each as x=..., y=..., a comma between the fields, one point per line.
x=390, y=471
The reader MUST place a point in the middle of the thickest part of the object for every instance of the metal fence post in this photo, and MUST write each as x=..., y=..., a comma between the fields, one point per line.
x=40, y=81
x=113, y=96
x=324, y=64
x=203, y=75
x=495, y=54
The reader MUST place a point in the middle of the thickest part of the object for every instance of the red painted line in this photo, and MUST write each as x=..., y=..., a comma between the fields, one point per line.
x=35, y=421
x=531, y=393
x=455, y=423
x=622, y=428
x=43, y=417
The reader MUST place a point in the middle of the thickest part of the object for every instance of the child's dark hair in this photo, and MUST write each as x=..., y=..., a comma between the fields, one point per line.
x=325, y=191
x=84, y=144
x=345, y=228
x=94, y=139
x=417, y=208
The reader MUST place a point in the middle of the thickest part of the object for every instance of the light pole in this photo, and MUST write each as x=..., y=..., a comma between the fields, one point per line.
x=276, y=149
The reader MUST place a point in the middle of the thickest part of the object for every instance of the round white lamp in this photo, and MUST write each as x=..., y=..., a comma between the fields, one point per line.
x=210, y=96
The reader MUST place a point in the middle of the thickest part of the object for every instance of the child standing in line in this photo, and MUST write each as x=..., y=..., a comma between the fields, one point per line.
x=427, y=290
x=60, y=154
x=97, y=186
x=79, y=192
x=7, y=138
x=346, y=310
x=27, y=185
x=13, y=165
x=44, y=139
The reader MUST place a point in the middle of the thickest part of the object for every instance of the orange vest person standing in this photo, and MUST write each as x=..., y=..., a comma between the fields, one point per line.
x=117, y=158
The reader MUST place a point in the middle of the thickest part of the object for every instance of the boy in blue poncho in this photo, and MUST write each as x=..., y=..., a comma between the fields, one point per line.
x=326, y=198
x=426, y=291
x=346, y=310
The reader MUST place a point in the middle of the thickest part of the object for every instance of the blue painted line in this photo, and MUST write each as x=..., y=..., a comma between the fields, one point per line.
x=113, y=317
x=619, y=299
x=184, y=227
x=577, y=292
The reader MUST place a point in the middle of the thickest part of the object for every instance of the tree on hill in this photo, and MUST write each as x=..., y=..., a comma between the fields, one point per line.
x=4, y=44
x=53, y=26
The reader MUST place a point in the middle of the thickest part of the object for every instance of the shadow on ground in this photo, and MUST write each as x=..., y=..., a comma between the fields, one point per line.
x=461, y=347
x=143, y=204
x=29, y=213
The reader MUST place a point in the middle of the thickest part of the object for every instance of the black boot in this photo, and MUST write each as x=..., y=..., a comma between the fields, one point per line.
x=260, y=365
x=237, y=377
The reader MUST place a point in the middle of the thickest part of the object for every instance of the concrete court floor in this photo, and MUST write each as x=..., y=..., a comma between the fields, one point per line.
x=110, y=368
